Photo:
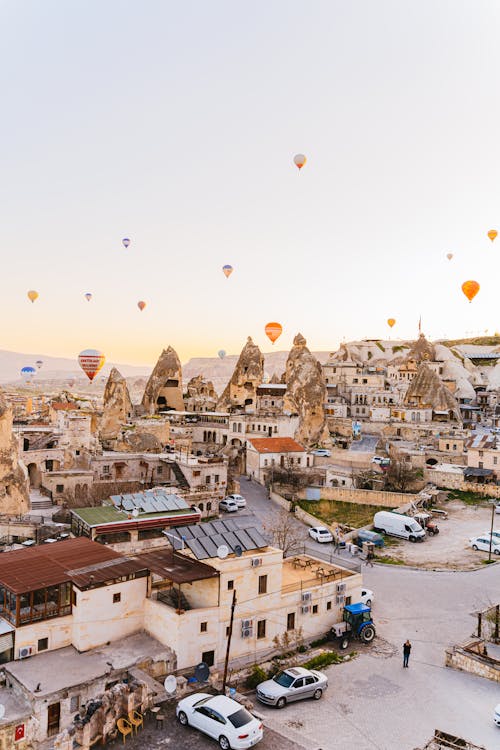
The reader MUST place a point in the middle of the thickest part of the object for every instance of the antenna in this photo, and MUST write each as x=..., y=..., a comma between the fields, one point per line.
x=202, y=672
x=170, y=684
x=222, y=551
x=238, y=550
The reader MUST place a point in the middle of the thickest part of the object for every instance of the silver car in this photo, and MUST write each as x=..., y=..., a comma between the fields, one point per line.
x=292, y=684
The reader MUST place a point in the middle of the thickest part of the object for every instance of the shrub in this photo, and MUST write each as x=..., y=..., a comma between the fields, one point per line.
x=256, y=675
x=380, y=346
x=323, y=660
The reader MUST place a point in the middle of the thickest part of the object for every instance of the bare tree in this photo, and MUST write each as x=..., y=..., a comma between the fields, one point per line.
x=400, y=475
x=284, y=533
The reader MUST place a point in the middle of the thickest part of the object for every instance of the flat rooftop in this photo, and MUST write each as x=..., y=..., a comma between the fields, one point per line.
x=176, y=567
x=65, y=667
x=306, y=572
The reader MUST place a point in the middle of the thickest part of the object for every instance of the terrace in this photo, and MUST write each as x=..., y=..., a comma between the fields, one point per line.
x=304, y=573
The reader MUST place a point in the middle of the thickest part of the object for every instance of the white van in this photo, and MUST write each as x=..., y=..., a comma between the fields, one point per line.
x=396, y=524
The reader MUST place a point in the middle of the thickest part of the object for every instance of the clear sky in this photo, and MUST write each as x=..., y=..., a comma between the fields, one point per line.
x=176, y=123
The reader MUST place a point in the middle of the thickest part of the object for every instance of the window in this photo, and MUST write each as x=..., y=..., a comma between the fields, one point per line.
x=59, y=488
x=227, y=631
x=208, y=657
x=74, y=703
x=230, y=585
x=117, y=598
x=481, y=465
x=209, y=506
x=203, y=627
x=265, y=462
x=216, y=478
x=290, y=621
x=159, y=469
x=315, y=609
x=261, y=628
x=348, y=599
x=207, y=479
x=495, y=460
x=328, y=605
x=262, y=584
x=43, y=644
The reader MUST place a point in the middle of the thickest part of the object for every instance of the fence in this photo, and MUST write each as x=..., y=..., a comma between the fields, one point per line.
x=365, y=497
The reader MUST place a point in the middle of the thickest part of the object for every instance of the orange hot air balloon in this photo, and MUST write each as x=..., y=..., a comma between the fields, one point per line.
x=299, y=160
x=273, y=331
x=91, y=361
x=492, y=234
x=32, y=295
x=227, y=270
x=141, y=305
x=391, y=322
x=470, y=289
x=449, y=256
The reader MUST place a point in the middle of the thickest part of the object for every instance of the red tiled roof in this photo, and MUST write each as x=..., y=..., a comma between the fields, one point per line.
x=276, y=445
x=80, y=560
x=63, y=406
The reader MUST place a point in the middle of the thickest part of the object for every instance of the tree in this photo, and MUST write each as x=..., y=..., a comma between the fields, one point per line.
x=401, y=475
x=285, y=533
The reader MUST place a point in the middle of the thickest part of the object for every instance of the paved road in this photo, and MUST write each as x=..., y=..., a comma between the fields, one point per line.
x=375, y=704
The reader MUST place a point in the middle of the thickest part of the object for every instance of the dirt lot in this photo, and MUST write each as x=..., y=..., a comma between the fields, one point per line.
x=449, y=549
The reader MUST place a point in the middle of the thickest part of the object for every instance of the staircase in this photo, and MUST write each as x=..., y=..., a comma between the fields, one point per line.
x=181, y=479
x=172, y=599
x=39, y=501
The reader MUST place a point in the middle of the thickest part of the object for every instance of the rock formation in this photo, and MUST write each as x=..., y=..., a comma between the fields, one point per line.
x=164, y=388
x=200, y=395
x=14, y=485
x=241, y=390
x=117, y=406
x=427, y=390
x=306, y=394
x=422, y=350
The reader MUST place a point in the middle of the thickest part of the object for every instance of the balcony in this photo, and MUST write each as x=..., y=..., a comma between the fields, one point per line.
x=303, y=573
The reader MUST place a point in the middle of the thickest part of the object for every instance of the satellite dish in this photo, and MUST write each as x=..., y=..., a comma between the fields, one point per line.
x=2, y=710
x=135, y=512
x=222, y=551
x=170, y=684
x=238, y=550
x=201, y=672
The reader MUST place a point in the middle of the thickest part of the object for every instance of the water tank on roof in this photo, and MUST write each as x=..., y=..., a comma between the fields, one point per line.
x=313, y=493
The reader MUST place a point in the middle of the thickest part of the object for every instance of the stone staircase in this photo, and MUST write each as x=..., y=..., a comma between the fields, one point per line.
x=39, y=501
x=181, y=479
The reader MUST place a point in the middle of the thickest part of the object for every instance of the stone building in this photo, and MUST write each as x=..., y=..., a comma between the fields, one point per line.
x=164, y=387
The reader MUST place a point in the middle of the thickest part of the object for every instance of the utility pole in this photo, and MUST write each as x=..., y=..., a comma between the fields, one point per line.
x=226, y=663
x=491, y=529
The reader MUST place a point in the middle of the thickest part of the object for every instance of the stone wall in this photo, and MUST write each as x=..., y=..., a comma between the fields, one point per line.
x=470, y=657
x=488, y=490
x=449, y=479
x=364, y=497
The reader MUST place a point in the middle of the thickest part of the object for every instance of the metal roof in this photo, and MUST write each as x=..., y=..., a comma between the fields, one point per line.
x=157, y=500
x=204, y=539
x=81, y=561
x=176, y=567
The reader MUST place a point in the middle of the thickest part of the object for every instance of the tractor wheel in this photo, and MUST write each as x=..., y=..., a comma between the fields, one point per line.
x=368, y=634
x=368, y=602
x=344, y=642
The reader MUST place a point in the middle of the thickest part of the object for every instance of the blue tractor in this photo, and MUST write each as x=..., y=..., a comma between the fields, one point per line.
x=356, y=623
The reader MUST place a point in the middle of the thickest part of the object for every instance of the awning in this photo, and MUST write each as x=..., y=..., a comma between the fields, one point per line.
x=473, y=472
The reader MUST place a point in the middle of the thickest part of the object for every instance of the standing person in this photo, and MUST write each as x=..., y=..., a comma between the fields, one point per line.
x=406, y=652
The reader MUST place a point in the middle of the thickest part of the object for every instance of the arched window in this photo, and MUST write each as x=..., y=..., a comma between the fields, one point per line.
x=200, y=506
x=209, y=506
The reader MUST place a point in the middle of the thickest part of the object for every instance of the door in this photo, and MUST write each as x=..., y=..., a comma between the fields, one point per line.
x=199, y=719
x=310, y=687
x=297, y=690
x=53, y=717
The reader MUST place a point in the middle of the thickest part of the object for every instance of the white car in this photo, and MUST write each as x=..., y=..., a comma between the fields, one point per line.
x=322, y=452
x=483, y=543
x=496, y=715
x=367, y=597
x=238, y=499
x=222, y=718
x=320, y=534
x=497, y=508
x=381, y=460
x=228, y=505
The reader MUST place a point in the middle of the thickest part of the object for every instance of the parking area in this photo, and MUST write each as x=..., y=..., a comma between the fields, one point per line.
x=173, y=735
x=450, y=548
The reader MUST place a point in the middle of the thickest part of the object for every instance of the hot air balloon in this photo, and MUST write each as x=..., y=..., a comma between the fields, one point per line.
x=39, y=363
x=125, y=242
x=71, y=382
x=88, y=296
x=227, y=271
x=449, y=256
x=28, y=373
x=273, y=331
x=391, y=322
x=299, y=160
x=492, y=234
x=221, y=353
x=141, y=305
x=32, y=295
x=470, y=289
x=91, y=361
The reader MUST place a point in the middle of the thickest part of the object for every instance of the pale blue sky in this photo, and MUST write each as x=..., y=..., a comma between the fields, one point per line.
x=175, y=124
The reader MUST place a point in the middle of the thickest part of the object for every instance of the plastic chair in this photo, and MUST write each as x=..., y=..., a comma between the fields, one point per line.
x=124, y=727
x=136, y=719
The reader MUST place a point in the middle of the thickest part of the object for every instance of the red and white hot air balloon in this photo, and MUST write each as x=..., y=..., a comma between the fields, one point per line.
x=299, y=160
x=91, y=361
x=141, y=305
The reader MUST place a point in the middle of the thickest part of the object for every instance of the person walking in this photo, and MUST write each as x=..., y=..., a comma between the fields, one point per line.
x=406, y=652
